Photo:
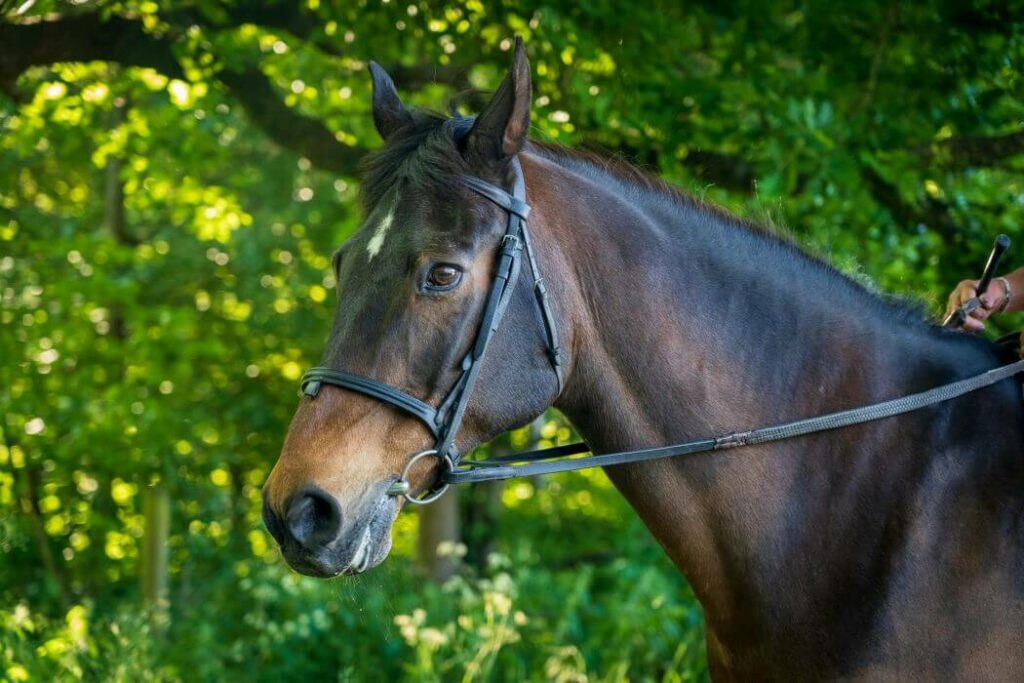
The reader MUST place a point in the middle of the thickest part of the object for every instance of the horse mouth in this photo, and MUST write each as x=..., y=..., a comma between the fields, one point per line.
x=367, y=554
x=328, y=565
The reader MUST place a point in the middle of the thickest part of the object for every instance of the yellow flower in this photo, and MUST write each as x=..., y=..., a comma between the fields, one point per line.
x=433, y=638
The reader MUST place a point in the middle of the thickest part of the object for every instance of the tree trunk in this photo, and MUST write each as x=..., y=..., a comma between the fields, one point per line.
x=535, y=438
x=239, y=523
x=486, y=517
x=439, y=524
x=30, y=506
x=156, y=504
x=483, y=510
x=156, y=508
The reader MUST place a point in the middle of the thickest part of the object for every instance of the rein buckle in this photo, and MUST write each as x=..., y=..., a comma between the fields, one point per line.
x=734, y=440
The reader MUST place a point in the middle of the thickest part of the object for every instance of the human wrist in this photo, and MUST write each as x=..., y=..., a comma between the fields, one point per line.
x=1016, y=281
x=1004, y=302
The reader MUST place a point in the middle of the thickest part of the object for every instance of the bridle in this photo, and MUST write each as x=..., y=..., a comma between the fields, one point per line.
x=445, y=420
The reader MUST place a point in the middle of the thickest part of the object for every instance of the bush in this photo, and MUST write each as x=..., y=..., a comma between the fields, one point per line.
x=542, y=609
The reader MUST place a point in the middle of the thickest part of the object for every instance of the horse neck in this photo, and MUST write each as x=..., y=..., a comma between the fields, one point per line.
x=686, y=324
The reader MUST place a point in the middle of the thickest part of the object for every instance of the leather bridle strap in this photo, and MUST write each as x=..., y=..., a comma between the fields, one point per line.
x=315, y=377
x=515, y=205
x=506, y=273
x=550, y=460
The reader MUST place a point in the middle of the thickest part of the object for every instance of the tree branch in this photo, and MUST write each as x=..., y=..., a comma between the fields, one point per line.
x=889, y=21
x=416, y=77
x=82, y=38
x=284, y=16
x=724, y=170
x=721, y=169
x=934, y=214
x=292, y=130
x=124, y=41
x=972, y=151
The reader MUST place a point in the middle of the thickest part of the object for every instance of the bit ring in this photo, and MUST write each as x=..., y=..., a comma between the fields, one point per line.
x=401, y=487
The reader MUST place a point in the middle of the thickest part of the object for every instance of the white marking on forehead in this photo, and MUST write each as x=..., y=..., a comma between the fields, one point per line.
x=377, y=241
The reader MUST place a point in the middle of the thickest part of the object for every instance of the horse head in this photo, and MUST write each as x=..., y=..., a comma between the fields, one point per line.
x=412, y=288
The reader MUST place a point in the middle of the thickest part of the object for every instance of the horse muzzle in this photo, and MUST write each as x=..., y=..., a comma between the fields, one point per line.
x=318, y=538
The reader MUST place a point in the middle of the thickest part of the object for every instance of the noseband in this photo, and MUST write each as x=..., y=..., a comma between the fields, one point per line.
x=445, y=420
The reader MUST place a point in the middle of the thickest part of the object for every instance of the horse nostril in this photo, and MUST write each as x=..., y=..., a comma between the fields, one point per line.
x=272, y=522
x=313, y=517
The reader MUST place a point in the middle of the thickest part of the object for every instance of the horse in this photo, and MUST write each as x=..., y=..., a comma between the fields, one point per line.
x=887, y=550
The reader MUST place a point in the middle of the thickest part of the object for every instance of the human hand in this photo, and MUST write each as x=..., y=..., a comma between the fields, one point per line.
x=992, y=301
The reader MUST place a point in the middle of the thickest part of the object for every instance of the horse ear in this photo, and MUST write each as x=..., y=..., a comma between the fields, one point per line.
x=500, y=131
x=389, y=114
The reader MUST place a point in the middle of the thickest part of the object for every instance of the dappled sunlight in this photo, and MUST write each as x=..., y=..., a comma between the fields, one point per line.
x=167, y=220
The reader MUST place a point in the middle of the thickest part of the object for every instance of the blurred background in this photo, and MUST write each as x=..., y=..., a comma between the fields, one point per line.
x=174, y=177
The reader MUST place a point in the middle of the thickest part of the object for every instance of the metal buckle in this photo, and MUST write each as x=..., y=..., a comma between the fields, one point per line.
x=734, y=440
x=402, y=486
x=509, y=237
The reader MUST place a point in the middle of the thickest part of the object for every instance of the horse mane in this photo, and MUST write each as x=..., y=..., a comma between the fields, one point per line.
x=429, y=145
x=645, y=185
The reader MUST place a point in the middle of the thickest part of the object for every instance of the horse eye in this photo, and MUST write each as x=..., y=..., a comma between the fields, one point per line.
x=443, y=276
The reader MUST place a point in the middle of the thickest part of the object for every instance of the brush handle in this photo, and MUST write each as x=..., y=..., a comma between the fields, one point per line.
x=998, y=249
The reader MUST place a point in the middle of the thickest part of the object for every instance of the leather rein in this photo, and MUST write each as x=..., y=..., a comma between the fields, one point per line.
x=445, y=420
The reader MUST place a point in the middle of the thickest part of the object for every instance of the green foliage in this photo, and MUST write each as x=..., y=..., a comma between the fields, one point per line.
x=537, y=613
x=164, y=343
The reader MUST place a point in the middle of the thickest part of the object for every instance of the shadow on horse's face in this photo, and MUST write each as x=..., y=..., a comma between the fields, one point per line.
x=412, y=285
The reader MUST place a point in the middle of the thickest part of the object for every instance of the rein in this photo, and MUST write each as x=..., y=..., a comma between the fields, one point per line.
x=445, y=420
x=550, y=460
